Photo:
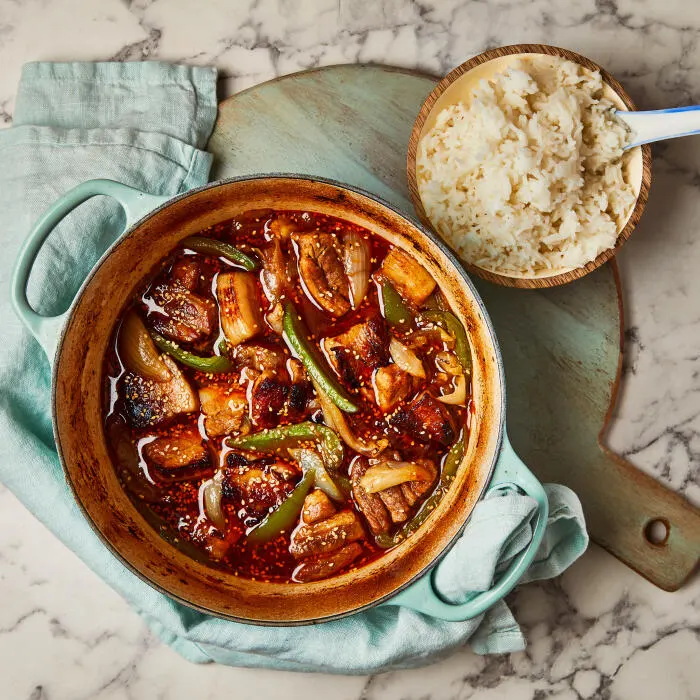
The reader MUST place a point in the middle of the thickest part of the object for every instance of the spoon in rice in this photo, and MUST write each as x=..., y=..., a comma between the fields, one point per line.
x=660, y=124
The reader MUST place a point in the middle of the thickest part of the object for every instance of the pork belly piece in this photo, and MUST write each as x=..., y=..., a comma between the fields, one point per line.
x=255, y=489
x=275, y=318
x=186, y=317
x=361, y=349
x=391, y=386
x=323, y=567
x=260, y=358
x=282, y=227
x=284, y=471
x=149, y=402
x=324, y=553
x=186, y=273
x=414, y=491
x=370, y=504
x=267, y=399
x=300, y=394
x=395, y=503
x=224, y=408
x=425, y=419
x=276, y=273
x=322, y=272
x=301, y=391
x=326, y=535
x=410, y=279
x=178, y=457
x=317, y=506
x=272, y=393
x=239, y=306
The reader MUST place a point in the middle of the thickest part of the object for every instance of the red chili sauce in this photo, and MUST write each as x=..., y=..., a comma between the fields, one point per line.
x=383, y=334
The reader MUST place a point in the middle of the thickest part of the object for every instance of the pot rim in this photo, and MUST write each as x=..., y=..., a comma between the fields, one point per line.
x=429, y=568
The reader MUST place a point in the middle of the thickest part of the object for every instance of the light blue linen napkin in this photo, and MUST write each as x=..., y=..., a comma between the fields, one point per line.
x=145, y=124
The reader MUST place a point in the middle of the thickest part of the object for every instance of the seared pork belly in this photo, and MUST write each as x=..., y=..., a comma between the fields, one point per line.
x=323, y=567
x=410, y=279
x=225, y=408
x=186, y=317
x=425, y=419
x=256, y=489
x=370, y=504
x=149, y=402
x=326, y=535
x=321, y=269
x=361, y=349
x=178, y=457
x=391, y=386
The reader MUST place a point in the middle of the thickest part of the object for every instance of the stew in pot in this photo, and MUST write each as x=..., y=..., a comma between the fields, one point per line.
x=289, y=396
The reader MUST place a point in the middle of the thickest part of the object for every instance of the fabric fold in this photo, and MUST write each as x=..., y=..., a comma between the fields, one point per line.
x=173, y=100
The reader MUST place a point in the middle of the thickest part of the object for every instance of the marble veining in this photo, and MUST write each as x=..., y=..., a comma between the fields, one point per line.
x=599, y=631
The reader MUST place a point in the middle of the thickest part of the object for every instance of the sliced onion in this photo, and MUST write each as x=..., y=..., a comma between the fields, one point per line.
x=406, y=359
x=459, y=396
x=446, y=337
x=138, y=351
x=282, y=228
x=210, y=494
x=295, y=370
x=356, y=261
x=447, y=362
x=274, y=271
x=310, y=461
x=335, y=420
x=433, y=334
x=275, y=318
x=387, y=474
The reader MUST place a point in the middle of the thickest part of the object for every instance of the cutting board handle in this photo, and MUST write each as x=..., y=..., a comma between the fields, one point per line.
x=654, y=530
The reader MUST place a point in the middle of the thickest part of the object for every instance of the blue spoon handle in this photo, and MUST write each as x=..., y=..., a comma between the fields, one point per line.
x=660, y=124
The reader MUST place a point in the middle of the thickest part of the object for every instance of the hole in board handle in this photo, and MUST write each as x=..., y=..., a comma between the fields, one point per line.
x=656, y=531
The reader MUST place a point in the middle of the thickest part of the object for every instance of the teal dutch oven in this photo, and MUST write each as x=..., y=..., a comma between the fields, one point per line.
x=77, y=341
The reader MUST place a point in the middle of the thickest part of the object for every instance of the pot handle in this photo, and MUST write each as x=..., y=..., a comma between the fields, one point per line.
x=422, y=597
x=136, y=204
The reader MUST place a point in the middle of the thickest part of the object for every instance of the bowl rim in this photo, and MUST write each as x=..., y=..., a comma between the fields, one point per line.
x=500, y=406
x=510, y=50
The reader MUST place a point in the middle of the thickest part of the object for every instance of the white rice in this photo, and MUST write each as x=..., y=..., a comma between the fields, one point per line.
x=528, y=178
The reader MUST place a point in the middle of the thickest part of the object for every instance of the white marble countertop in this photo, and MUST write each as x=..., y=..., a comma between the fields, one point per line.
x=599, y=631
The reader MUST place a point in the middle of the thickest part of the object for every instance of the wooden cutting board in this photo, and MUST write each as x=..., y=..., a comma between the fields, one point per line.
x=561, y=347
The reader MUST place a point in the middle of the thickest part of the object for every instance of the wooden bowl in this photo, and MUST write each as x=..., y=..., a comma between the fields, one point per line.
x=455, y=86
x=78, y=408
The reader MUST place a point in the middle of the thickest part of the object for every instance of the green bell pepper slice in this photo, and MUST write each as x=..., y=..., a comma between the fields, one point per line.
x=211, y=246
x=283, y=436
x=297, y=336
x=455, y=329
x=212, y=365
x=394, y=308
x=286, y=514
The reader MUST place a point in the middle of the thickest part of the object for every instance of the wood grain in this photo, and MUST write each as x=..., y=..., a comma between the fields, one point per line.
x=458, y=72
x=562, y=352
x=561, y=346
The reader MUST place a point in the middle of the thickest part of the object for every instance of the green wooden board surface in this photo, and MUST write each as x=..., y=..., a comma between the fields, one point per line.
x=561, y=347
